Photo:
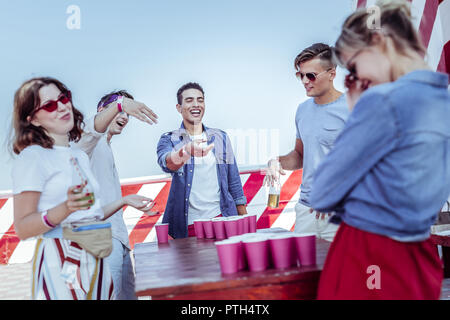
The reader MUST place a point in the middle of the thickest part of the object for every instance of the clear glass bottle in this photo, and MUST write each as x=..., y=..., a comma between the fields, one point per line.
x=274, y=189
x=80, y=178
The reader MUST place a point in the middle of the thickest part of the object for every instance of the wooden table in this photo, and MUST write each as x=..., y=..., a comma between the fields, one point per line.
x=189, y=269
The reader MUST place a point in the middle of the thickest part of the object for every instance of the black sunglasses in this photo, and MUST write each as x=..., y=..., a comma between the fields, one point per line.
x=312, y=76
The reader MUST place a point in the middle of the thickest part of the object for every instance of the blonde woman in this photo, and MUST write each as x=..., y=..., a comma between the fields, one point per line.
x=387, y=176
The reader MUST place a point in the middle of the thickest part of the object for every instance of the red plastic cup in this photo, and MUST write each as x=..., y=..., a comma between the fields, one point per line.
x=231, y=227
x=306, y=248
x=229, y=255
x=257, y=253
x=162, y=232
x=252, y=223
x=283, y=251
x=199, y=232
x=208, y=228
x=219, y=228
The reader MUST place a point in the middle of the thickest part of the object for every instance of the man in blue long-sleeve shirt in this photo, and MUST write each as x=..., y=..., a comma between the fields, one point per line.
x=205, y=177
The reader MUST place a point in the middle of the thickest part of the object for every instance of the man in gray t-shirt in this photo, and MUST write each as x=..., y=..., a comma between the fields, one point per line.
x=318, y=120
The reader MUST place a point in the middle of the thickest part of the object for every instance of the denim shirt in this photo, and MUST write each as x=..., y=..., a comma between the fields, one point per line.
x=231, y=192
x=389, y=172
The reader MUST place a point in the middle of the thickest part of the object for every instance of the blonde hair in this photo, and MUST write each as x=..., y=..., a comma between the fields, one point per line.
x=394, y=20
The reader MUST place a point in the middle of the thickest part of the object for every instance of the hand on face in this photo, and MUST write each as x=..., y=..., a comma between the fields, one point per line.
x=354, y=90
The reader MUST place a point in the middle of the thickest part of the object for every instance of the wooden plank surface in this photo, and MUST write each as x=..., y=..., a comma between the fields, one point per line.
x=189, y=269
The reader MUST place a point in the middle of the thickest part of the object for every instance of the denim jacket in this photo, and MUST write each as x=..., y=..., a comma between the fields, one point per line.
x=231, y=192
x=389, y=170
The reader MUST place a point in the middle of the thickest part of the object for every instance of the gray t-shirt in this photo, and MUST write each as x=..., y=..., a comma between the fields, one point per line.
x=318, y=125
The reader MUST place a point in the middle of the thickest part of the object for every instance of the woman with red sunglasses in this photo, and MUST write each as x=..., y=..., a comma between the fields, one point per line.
x=388, y=174
x=45, y=201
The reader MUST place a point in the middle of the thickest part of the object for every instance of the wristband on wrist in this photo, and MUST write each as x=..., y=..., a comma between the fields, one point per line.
x=46, y=221
x=119, y=103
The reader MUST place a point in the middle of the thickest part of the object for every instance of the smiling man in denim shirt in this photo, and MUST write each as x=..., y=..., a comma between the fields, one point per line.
x=205, y=177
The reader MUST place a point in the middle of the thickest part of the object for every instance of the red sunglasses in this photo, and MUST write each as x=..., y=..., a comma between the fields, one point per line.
x=52, y=105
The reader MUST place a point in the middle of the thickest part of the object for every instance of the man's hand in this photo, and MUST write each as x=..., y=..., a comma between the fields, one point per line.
x=273, y=169
x=178, y=158
x=241, y=209
x=139, y=110
x=194, y=148
x=320, y=215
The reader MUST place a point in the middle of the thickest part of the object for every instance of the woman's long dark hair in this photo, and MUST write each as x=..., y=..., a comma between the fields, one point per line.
x=26, y=100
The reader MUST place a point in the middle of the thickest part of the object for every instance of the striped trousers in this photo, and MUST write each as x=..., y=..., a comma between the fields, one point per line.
x=61, y=270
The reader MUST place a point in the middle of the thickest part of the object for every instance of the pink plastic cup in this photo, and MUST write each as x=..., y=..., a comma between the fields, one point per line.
x=199, y=232
x=208, y=228
x=283, y=251
x=257, y=253
x=219, y=228
x=240, y=221
x=242, y=261
x=231, y=227
x=246, y=224
x=306, y=248
x=162, y=232
x=229, y=255
x=252, y=223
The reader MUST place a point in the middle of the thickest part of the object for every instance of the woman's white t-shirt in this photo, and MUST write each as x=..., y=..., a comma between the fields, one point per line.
x=50, y=172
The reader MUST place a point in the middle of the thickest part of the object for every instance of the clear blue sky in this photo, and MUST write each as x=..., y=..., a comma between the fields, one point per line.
x=241, y=52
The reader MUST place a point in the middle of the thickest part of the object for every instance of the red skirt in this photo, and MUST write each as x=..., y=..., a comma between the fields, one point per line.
x=363, y=265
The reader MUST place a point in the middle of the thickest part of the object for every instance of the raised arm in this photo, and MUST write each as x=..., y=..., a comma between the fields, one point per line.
x=131, y=107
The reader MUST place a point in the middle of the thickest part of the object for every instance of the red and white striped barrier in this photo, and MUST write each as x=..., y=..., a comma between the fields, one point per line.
x=140, y=226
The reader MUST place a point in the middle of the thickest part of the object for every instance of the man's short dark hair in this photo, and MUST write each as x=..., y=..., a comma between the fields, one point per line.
x=187, y=86
x=318, y=50
x=108, y=96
